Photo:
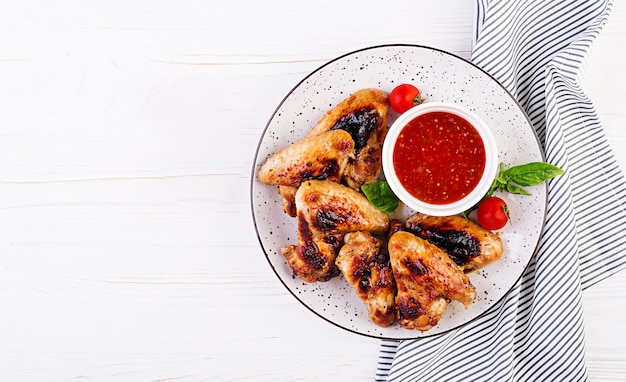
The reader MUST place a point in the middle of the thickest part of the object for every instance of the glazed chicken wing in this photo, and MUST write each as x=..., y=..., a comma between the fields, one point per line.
x=321, y=157
x=324, y=156
x=468, y=244
x=326, y=211
x=365, y=265
x=363, y=115
x=426, y=279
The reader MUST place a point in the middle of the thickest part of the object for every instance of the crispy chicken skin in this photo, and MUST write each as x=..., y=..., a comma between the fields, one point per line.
x=365, y=265
x=320, y=157
x=364, y=115
x=426, y=279
x=326, y=211
x=468, y=244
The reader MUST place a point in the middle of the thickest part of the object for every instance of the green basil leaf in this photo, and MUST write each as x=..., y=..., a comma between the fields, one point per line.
x=532, y=174
x=513, y=189
x=381, y=196
x=513, y=179
x=499, y=183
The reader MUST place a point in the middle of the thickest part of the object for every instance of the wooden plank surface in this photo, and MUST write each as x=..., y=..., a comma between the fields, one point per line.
x=127, y=134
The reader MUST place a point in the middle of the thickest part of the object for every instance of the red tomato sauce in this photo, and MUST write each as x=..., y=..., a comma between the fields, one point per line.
x=439, y=157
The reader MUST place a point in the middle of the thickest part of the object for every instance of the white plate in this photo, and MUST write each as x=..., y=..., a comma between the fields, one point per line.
x=442, y=77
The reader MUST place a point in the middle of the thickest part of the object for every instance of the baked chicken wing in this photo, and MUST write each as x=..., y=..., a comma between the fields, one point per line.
x=364, y=115
x=427, y=279
x=321, y=157
x=326, y=211
x=324, y=156
x=365, y=265
x=468, y=244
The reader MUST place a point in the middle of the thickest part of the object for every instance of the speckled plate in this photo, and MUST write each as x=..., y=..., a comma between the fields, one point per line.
x=442, y=77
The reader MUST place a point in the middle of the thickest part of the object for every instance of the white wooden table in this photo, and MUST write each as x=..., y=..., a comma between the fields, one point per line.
x=127, y=134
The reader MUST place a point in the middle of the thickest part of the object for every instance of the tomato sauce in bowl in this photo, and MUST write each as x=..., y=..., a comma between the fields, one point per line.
x=439, y=157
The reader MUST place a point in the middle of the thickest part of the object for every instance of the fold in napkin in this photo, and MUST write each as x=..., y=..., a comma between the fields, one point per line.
x=536, y=49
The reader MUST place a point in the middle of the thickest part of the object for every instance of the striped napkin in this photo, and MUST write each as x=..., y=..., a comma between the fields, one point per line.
x=536, y=49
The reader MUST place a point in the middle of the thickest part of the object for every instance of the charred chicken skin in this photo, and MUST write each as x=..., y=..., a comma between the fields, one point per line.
x=326, y=211
x=344, y=146
x=364, y=263
x=468, y=244
x=427, y=279
x=364, y=115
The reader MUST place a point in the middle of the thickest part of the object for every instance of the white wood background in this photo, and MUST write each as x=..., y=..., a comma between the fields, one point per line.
x=127, y=133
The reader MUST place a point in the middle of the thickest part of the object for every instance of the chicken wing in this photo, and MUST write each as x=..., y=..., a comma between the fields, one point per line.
x=324, y=156
x=326, y=211
x=426, y=279
x=468, y=244
x=289, y=199
x=320, y=157
x=363, y=115
x=365, y=265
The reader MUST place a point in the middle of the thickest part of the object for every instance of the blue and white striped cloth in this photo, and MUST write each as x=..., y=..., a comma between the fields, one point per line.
x=536, y=49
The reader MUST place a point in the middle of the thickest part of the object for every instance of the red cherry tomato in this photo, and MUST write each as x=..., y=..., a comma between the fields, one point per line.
x=403, y=97
x=493, y=213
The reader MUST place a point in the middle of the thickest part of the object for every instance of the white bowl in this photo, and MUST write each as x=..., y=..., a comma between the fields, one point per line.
x=470, y=199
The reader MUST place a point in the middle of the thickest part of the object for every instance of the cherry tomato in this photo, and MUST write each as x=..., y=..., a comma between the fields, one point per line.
x=403, y=97
x=493, y=213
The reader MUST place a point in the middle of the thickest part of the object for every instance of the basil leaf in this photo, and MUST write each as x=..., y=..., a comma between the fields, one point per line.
x=499, y=183
x=513, y=189
x=532, y=174
x=381, y=196
x=511, y=179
